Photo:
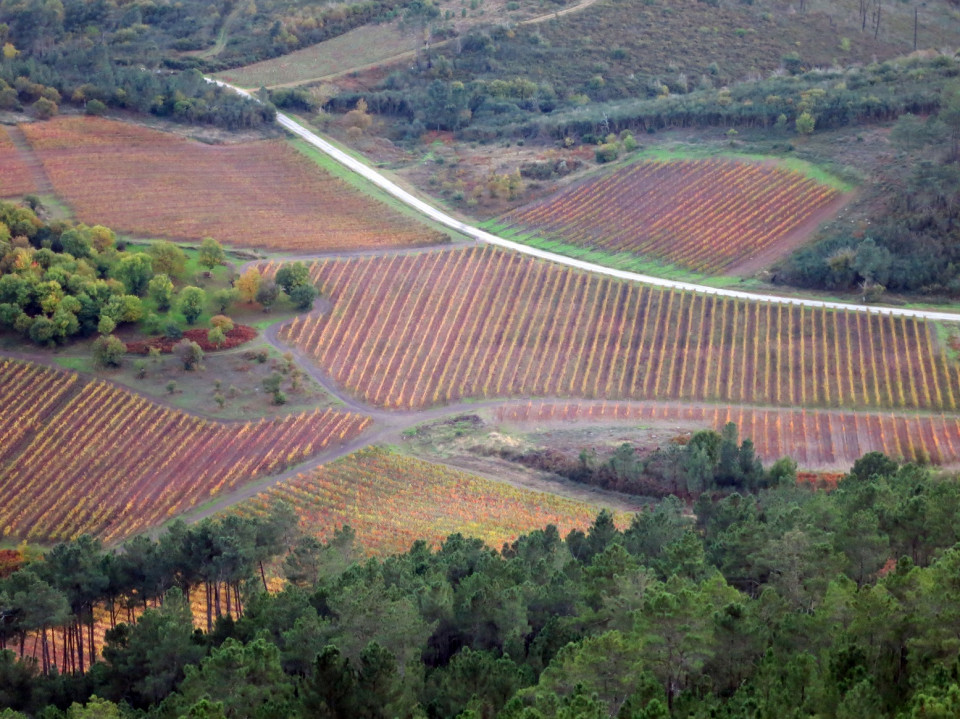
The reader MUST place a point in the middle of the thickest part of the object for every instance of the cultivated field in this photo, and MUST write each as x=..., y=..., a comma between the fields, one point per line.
x=16, y=177
x=391, y=500
x=817, y=439
x=92, y=458
x=257, y=194
x=365, y=45
x=705, y=215
x=29, y=394
x=418, y=330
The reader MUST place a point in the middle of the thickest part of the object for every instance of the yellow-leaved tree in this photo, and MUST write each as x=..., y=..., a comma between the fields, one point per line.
x=248, y=283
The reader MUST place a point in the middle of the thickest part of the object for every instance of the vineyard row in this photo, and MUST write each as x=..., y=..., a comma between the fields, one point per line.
x=705, y=215
x=391, y=501
x=413, y=331
x=108, y=462
x=260, y=194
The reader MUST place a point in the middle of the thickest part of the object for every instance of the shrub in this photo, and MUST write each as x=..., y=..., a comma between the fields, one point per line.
x=805, y=123
x=222, y=322
x=607, y=152
x=108, y=351
x=44, y=108
x=95, y=107
x=189, y=353
x=216, y=337
x=271, y=384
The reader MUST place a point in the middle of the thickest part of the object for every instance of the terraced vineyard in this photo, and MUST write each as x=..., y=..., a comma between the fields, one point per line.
x=815, y=438
x=418, y=330
x=16, y=177
x=257, y=194
x=92, y=458
x=391, y=500
x=705, y=215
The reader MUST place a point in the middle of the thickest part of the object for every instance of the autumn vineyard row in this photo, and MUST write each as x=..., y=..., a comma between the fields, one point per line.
x=702, y=214
x=16, y=177
x=93, y=458
x=413, y=331
x=815, y=438
x=259, y=194
x=391, y=500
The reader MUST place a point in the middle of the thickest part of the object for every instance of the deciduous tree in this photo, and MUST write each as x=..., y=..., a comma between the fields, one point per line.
x=211, y=254
x=108, y=351
x=192, y=302
x=248, y=284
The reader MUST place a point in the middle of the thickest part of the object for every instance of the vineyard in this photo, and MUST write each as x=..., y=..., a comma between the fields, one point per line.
x=96, y=459
x=29, y=393
x=258, y=194
x=390, y=501
x=705, y=215
x=409, y=332
x=16, y=177
x=814, y=438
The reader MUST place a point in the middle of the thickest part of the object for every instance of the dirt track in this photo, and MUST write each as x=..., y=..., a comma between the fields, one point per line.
x=401, y=56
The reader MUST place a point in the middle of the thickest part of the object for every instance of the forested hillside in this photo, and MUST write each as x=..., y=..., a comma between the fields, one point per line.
x=786, y=603
x=911, y=242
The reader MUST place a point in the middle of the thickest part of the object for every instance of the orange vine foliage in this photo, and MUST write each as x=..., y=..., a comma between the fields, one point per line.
x=702, y=214
x=412, y=331
x=102, y=460
x=391, y=500
x=16, y=177
x=255, y=194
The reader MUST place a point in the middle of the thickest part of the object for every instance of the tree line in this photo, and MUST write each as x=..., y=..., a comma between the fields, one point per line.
x=461, y=91
x=60, y=281
x=706, y=462
x=788, y=602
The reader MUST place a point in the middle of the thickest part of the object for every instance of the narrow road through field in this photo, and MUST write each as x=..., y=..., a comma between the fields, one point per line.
x=441, y=217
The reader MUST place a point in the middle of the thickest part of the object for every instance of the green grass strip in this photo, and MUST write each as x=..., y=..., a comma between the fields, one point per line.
x=688, y=152
x=358, y=183
x=626, y=261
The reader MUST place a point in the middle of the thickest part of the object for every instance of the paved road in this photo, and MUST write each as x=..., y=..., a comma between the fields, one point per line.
x=433, y=213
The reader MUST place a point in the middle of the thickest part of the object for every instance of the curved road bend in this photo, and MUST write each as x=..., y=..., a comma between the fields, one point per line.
x=433, y=213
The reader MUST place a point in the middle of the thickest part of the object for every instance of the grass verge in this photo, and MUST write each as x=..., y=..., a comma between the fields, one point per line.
x=333, y=167
x=692, y=152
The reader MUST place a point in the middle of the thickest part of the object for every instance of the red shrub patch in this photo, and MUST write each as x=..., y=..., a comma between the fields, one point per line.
x=820, y=480
x=235, y=337
x=10, y=561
